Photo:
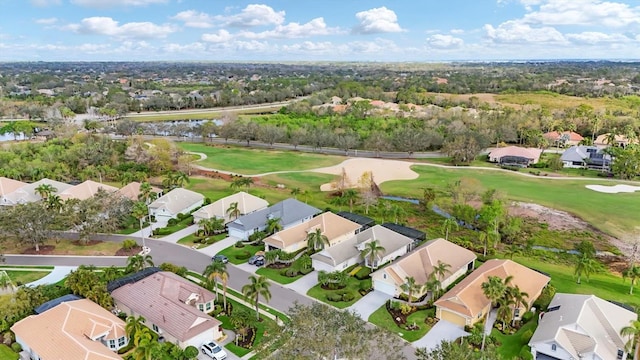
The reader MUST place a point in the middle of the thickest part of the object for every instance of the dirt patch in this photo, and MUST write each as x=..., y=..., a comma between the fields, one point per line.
x=44, y=250
x=86, y=243
x=129, y=252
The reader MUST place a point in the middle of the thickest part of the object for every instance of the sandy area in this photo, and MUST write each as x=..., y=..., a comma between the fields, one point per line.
x=613, y=189
x=383, y=170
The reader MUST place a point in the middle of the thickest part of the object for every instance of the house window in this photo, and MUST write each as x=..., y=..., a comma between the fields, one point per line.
x=155, y=328
x=200, y=307
x=554, y=347
x=122, y=341
x=208, y=306
x=112, y=344
x=384, y=276
x=516, y=313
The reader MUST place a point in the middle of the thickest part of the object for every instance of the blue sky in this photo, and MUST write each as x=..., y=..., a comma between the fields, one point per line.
x=310, y=30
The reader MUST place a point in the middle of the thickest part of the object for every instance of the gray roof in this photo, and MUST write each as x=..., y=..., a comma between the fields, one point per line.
x=583, y=324
x=28, y=193
x=339, y=253
x=177, y=200
x=580, y=153
x=288, y=211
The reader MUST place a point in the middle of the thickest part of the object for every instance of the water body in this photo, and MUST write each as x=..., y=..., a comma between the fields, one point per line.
x=10, y=137
x=400, y=198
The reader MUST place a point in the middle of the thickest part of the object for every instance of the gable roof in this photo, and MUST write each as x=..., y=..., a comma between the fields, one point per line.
x=419, y=263
x=247, y=203
x=176, y=200
x=160, y=298
x=554, y=135
x=55, y=302
x=357, y=218
x=339, y=253
x=72, y=329
x=132, y=190
x=85, y=190
x=8, y=186
x=532, y=154
x=28, y=193
x=406, y=231
x=467, y=297
x=288, y=211
x=331, y=225
x=583, y=324
x=620, y=139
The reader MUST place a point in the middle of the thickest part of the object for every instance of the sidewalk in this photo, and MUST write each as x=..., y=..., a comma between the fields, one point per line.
x=58, y=273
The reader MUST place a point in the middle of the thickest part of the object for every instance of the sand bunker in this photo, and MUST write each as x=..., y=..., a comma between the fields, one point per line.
x=613, y=189
x=383, y=170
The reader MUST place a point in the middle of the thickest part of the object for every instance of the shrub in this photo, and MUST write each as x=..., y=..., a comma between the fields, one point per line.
x=334, y=297
x=543, y=301
x=207, y=201
x=406, y=309
x=178, y=270
x=305, y=271
x=258, y=235
x=16, y=347
x=525, y=354
x=181, y=216
x=527, y=317
x=129, y=244
x=348, y=296
x=172, y=222
x=526, y=336
x=239, y=244
x=363, y=273
x=291, y=272
x=244, y=255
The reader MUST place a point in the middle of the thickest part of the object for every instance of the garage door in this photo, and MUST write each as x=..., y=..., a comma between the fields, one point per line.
x=384, y=287
x=452, y=317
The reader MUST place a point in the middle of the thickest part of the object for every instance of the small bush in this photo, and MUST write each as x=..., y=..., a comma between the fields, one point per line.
x=172, y=222
x=348, y=296
x=305, y=271
x=244, y=255
x=291, y=272
x=526, y=336
x=16, y=347
x=239, y=244
x=178, y=270
x=527, y=317
x=129, y=244
x=207, y=201
x=363, y=273
x=181, y=216
x=334, y=297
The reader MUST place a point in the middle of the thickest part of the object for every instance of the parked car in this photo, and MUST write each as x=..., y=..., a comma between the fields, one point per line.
x=254, y=258
x=221, y=258
x=259, y=262
x=214, y=351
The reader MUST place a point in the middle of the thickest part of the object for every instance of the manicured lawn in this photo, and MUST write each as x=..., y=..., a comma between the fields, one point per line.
x=511, y=345
x=170, y=229
x=232, y=251
x=568, y=195
x=383, y=319
x=353, y=285
x=257, y=161
x=7, y=354
x=274, y=274
x=190, y=240
x=67, y=247
x=25, y=277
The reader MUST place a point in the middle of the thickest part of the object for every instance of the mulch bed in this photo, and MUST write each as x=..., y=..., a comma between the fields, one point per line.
x=133, y=251
x=44, y=250
x=398, y=317
x=247, y=342
x=278, y=266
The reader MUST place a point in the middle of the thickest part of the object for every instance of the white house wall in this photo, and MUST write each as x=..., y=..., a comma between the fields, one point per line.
x=545, y=348
x=454, y=276
x=384, y=284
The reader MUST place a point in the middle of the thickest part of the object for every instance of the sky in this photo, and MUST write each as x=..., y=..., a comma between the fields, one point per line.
x=311, y=30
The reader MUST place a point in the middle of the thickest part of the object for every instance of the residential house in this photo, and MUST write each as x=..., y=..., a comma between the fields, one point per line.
x=291, y=212
x=579, y=326
x=132, y=191
x=419, y=265
x=85, y=190
x=364, y=221
x=28, y=192
x=515, y=155
x=79, y=329
x=336, y=228
x=562, y=139
x=7, y=186
x=347, y=253
x=176, y=201
x=582, y=156
x=602, y=141
x=466, y=304
x=172, y=306
x=417, y=235
x=247, y=204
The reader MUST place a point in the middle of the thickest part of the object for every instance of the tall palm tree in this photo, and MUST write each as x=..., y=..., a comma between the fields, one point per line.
x=494, y=289
x=440, y=271
x=273, y=226
x=136, y=263
x=633, y=274
x=585, y=265
x=519, y=297
x=54, y=202
x=410, y=287
x=233, y=210
x=372, y=252
x=295, y=192
x=134, y=325
x=258, y=286
x=317, y=240
x=214, y=271
x=45, y=190
x=448, y=224
x=632, y=331
x=145, y=349
x=505, y=312
x=350, y=196
x=180, y=178
x=146, y=192
x=140, y=212
x=236, y=184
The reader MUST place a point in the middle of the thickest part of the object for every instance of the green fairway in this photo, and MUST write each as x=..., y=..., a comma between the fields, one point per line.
x=615, y=214
x=257, y=161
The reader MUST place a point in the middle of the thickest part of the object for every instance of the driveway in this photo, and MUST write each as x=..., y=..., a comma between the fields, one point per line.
x=305, y=283
x=58, y=273
x=369, y=303
x=218, y=246
x=443, y=330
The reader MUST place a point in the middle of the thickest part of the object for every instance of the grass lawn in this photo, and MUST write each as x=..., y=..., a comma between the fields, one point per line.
x=353, y=285
x=67, y=247
x=568, y=195
x=382, y=318
x=190, y=240
x=511, y=345
x=256, y=161
x=212, y=114
x=264, y=324
x=6, y=353
x=25, y=277
x=127, y=231
x=274, y=274
x=232, y=251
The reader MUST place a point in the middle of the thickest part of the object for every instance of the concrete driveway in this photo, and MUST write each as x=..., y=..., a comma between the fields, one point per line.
x=305, y=283
x=218, y=246
x=369, y=303
x=443, y=330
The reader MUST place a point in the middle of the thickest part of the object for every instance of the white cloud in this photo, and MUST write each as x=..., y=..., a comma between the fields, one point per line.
x=115, y=3
x=192, y=18
x=593, y=37
x=109, y=27
x=47, y=21
x=377, y=20
x=196, y=47
x=253, y=45
x=441, y=41
x=457, y=31
x=582, y=12
x=218, y=37
x=514, y=31
x=45, y=3
x=325, y=47
x=253, y=15
x=315, y=27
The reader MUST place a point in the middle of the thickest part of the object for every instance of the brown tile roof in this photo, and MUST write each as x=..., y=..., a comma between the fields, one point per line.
x=528, y=153
x=554, y=135
x=332, y=226
x=420, y=262
x=160, y=298
x=132, y=190
x=467, y=298
x=8, y=186
x=68, y=330
x=85, y=190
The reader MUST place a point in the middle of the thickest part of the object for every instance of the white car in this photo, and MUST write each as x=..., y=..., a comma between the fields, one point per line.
x=214, y=351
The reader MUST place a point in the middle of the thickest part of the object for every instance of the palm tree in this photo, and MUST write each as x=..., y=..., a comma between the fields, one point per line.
x=585, y=265
x=210, y=226
x=633, y=274
x=273, y=226
x=258, y=286
x=295, y=192
x=140, y=212
x=448, y=224
x=45, y=190
x=483, y=237
x=440, y=271
x=214, y=271
x=494, y=289
x=317, y=240
x=350, y=196
x=146, y=192
x=410, y=286
x=372, y=251
x=233, y=210
x=145, y=349
x=180, y=178
x=512, y=250
x=134, y=325
x=433, y=285
x=505, y=313
x=397, y=212
x=633, y=332
x=136, y=263
x=236, y=184
x=519, y=297
x=54, y=202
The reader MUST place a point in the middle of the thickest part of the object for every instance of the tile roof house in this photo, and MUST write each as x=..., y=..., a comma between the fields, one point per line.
x=364, y=221
x=132, y=191
x=172, y=306
x=466, y=304
x=347, y=253
x=582, y=156
x=581, y=327
x=79, y=329
x=176, y=201
x=515, y=155
x=27, y=193
x=247, y=204
x=85, y=190
x=336, y=228
x=7, y=186
x=419, y=264
x=602, y=141
x=565, y=138
x=291, y=212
